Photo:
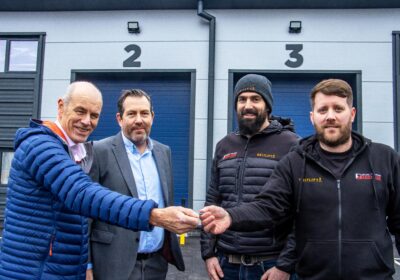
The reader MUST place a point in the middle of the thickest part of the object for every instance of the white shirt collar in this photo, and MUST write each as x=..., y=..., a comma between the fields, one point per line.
x=78, y=149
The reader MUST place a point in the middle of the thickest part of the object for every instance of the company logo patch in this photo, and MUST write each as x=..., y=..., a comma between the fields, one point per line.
x=229, y=156
x=368, y=176
x=311, y=179
x=264, y=155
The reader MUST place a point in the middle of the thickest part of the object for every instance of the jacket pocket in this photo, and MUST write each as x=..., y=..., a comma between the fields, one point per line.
x=362, y=259
x=101, y=236
x=318, y=260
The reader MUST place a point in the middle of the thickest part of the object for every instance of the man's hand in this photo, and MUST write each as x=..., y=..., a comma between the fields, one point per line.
x=89, y=274
x=275, y=274
x=175, y=218
x=214, y=269
x=215, y=219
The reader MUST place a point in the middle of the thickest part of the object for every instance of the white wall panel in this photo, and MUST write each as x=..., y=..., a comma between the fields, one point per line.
x=198, y=205
x=379, y=132
x=201, y=99
x=108, y=26
x=61, y=58
x=221, y=100
x=373, y=59
x=199, y=180
x=377, y=102
x=51, y=91
x=318, y=25
x=220, y=128
x=200, y=139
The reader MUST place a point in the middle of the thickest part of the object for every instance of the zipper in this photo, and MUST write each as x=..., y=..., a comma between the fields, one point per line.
x=237, y=178
x=241, y=174
x=339, y=193
x=340, y=215
x=51, y=246
x=339, y=228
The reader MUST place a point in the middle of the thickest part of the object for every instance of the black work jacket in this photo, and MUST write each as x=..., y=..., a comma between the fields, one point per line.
x=343, y=224
x=241, y=167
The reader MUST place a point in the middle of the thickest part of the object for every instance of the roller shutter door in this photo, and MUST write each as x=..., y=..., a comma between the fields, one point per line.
x=171, y=101
x=291, y=99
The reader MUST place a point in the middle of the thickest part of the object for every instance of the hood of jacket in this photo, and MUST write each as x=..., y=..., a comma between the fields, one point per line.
x=307, y=150
x=286, y=123
x=38, y=127
x=276, y=125
x=35, y=127
x=307, y=146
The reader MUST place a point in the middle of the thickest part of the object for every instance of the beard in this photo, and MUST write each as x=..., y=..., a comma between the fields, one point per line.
x=334, y=141
x=251, y=126
x=138, y=138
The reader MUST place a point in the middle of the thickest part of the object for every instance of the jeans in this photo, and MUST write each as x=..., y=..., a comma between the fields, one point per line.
x=243, y=272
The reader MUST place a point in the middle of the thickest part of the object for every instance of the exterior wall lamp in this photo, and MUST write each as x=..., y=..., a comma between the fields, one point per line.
x=295, y=26
x=133, y=27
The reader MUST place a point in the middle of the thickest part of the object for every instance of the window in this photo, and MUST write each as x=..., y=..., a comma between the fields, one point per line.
x=23, y=55
x=20, y=53
x=2, y=55
x=21, y=63
x=6, y=158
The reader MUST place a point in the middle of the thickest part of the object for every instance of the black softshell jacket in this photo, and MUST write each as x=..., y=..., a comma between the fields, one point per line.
x=343, y=224
x=241, y=167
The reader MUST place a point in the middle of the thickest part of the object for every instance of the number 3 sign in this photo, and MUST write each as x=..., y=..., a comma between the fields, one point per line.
x=294, y=54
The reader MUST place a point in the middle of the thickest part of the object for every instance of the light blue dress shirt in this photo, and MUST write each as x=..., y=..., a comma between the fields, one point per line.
x=148, y=186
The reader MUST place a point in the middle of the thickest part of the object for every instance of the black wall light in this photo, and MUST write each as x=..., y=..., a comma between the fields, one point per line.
x=295, y=26
x=133, y=27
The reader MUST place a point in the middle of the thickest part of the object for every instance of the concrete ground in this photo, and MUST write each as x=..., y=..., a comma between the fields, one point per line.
x=396, y=265
x=195, y=268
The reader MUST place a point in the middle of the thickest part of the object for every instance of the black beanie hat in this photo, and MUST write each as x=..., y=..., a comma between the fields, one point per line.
x=258, y=84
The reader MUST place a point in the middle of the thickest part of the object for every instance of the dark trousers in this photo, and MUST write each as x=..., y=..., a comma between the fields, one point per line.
x=243, y=272
x=154, y=268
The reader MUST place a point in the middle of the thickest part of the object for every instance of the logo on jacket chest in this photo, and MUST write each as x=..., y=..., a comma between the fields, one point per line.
x=229, y=156
x=368, y=176
x=311, y=180
x=266, y=155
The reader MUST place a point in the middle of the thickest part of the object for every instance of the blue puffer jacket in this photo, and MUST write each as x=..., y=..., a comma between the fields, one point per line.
x=45, y=236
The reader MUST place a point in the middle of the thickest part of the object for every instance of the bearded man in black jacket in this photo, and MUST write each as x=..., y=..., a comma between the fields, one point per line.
x=342, y=189
x=243, y=162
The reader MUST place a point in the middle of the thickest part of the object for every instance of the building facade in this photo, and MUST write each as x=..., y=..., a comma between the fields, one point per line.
x=188, y=59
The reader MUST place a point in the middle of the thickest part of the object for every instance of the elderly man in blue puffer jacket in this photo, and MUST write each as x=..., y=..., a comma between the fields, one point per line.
x=49, y=196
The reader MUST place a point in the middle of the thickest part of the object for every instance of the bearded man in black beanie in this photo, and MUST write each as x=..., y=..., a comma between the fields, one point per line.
x=243, y=162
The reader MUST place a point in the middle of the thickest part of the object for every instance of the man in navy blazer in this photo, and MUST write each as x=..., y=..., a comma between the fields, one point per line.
x=133, y=164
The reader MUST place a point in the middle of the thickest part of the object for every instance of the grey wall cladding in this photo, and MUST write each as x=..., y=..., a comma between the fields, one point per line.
x=16, y=106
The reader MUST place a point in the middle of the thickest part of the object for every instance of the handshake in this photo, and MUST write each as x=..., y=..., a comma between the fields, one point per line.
x=181, y=220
